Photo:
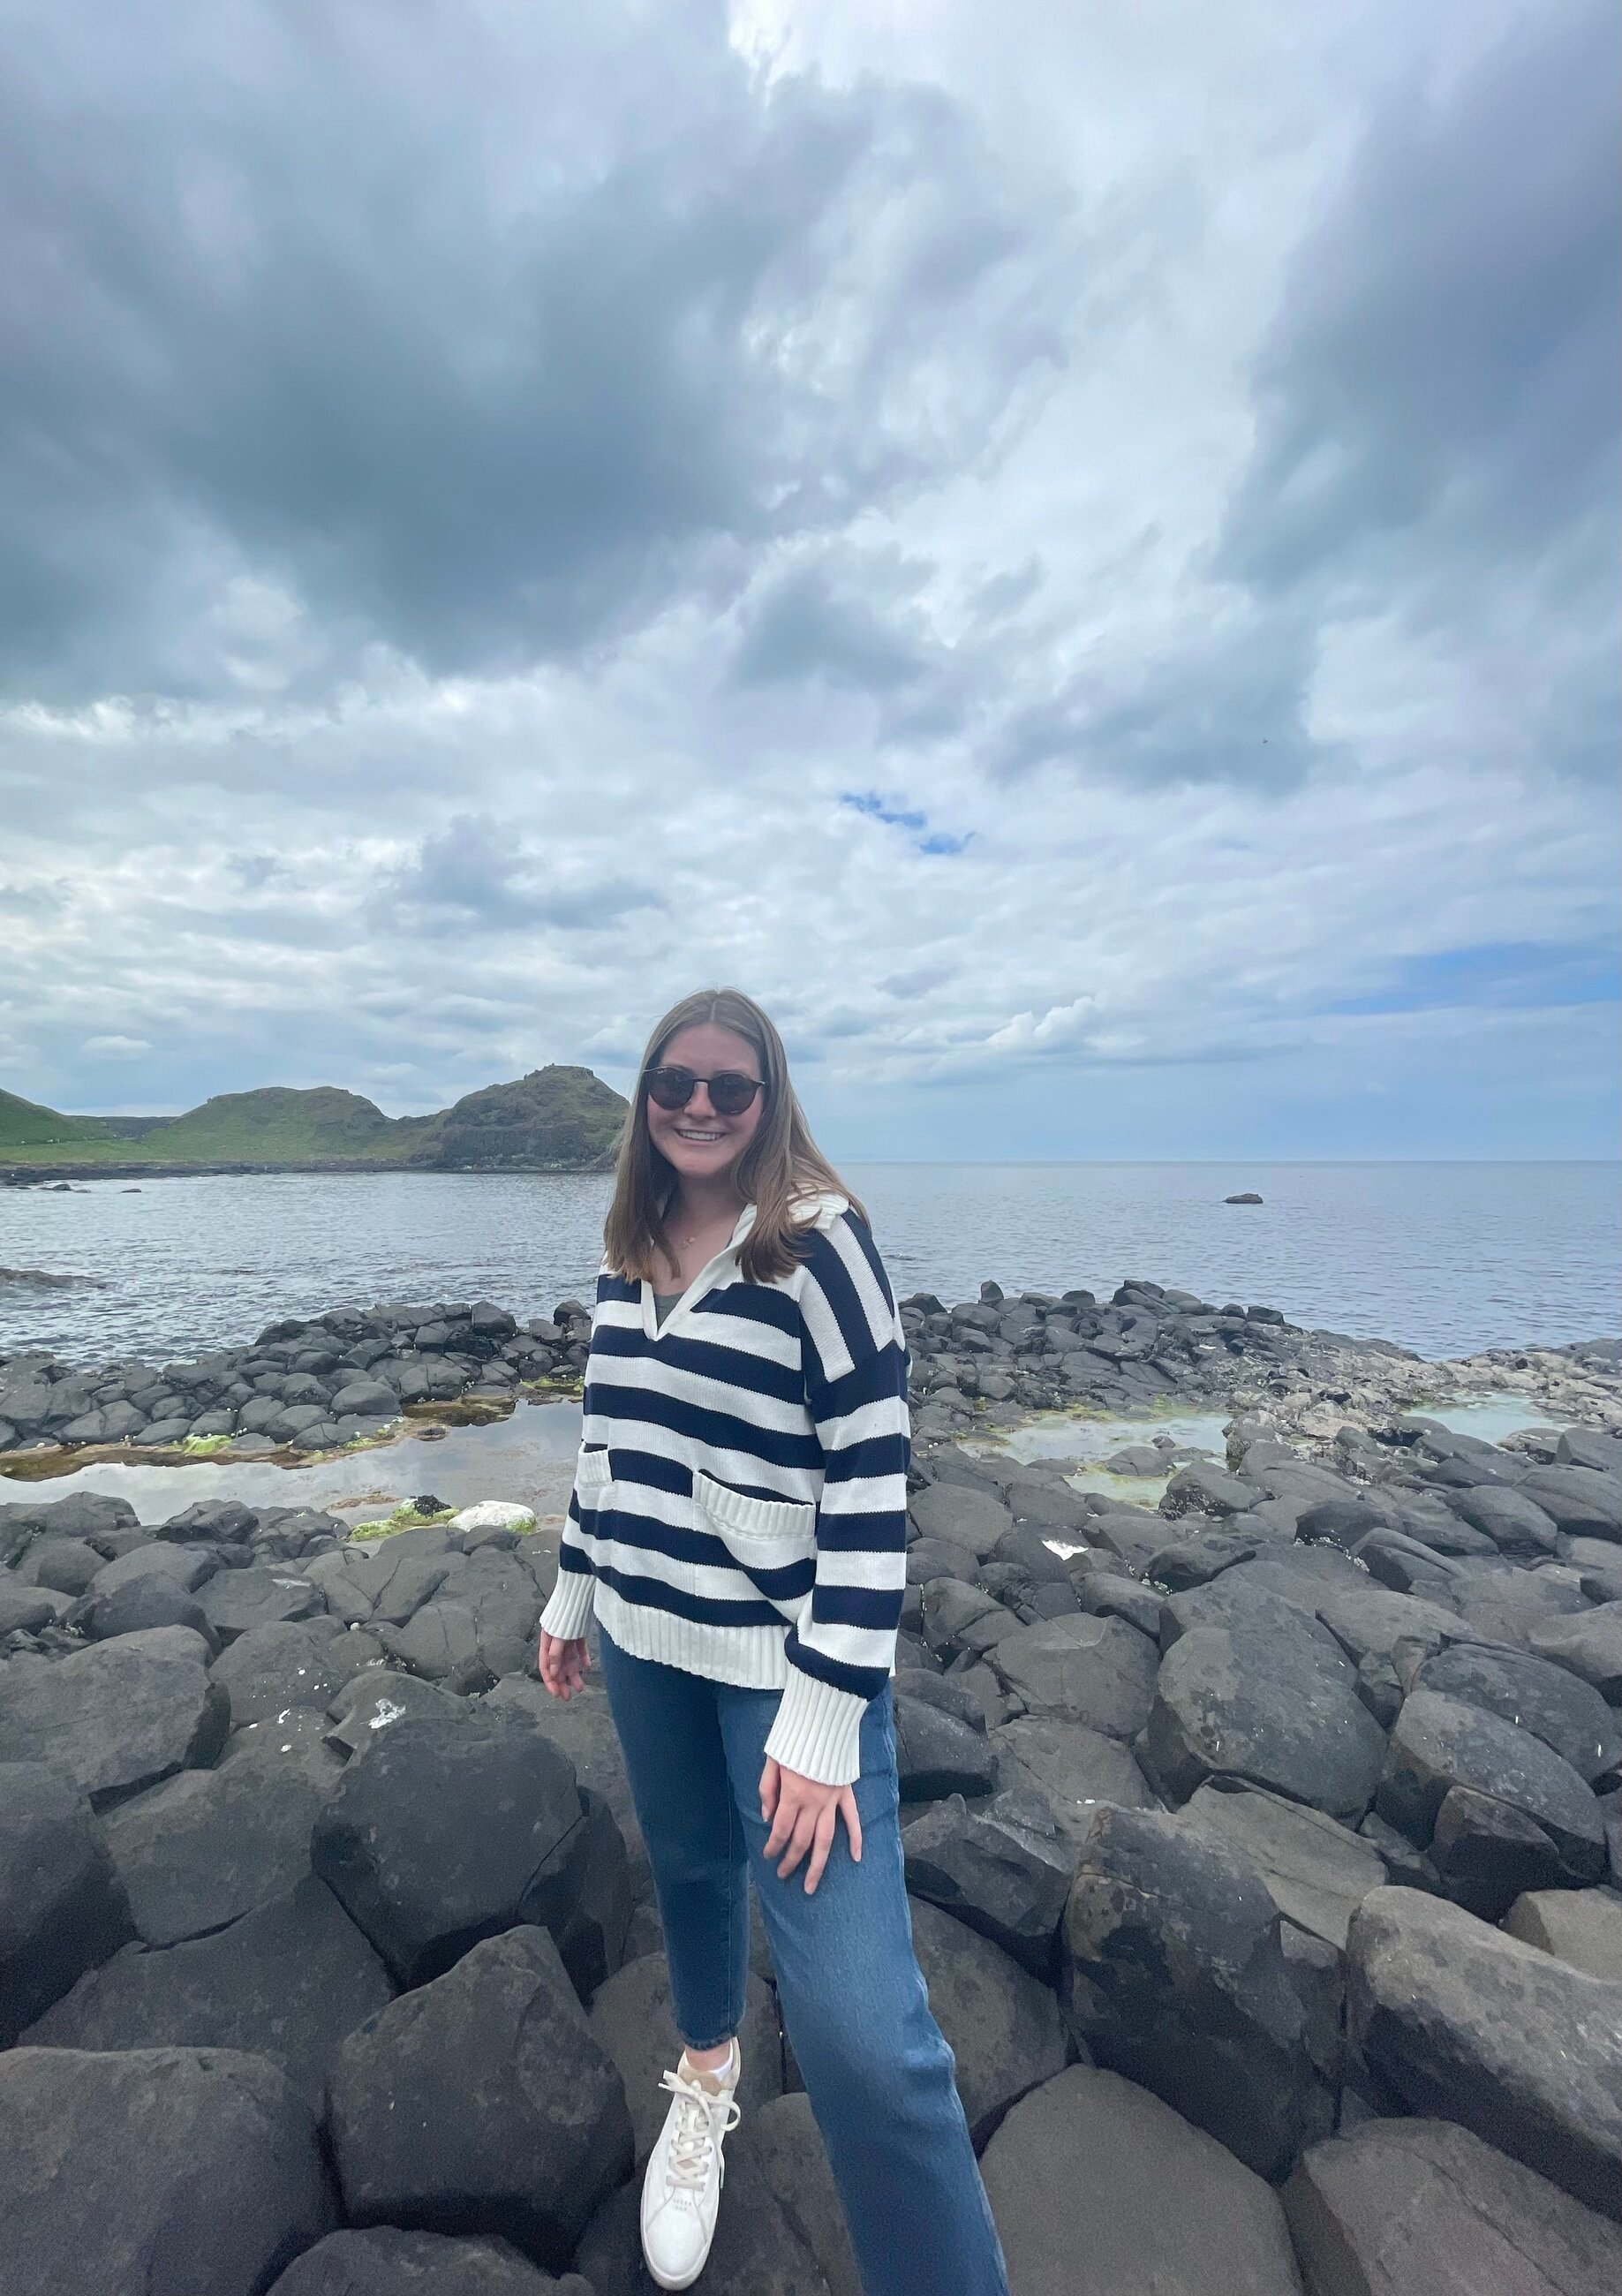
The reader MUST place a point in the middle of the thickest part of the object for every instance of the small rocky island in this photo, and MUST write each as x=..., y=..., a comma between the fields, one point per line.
x=1262, y=1814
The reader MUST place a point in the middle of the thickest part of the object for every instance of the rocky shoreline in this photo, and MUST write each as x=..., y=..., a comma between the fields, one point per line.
x=1263, y=1836
x=308, y=1386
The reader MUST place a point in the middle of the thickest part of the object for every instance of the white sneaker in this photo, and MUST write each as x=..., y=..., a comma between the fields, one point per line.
x=681, y=2191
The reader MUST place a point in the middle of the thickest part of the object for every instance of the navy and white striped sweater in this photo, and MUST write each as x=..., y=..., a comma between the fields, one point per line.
x=740, y=1499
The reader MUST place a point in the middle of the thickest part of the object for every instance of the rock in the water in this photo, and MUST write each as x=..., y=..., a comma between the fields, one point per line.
x=1475, y=2026
x=118, y=1717
x=1580, y=1927
x=203, y=1848
x=1096, y=2184
x=286, y=1982
x=388, y=2262
x=1422, y=2207
x=481, y=2103
x=1564, y=1711
x=633, y=2023
x=156, y=2172
x=1002, y=2024
x=1438, y=1743
x=435, y=1835
x=1317, y=1873
x=1282, y=1712
x=1173, y=1974
x=1097, y=1671
x=62, y=1908
x=1004, y=1867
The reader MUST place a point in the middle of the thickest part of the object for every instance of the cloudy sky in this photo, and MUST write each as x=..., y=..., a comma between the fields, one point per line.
x=1068, y=548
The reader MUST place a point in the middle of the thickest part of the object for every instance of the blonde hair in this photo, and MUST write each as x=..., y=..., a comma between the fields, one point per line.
x=781, y=1166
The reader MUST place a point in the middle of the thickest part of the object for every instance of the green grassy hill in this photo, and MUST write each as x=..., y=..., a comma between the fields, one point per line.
x=555, y=1119
x=275, y=1121
x=555, y=1116
x=24, y=1124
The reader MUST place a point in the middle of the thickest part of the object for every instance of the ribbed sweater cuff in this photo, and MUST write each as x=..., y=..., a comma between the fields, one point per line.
x=569, y=1607
x=818, y=1730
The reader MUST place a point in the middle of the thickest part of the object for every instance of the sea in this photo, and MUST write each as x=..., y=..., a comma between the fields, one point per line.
x=1446, y=1258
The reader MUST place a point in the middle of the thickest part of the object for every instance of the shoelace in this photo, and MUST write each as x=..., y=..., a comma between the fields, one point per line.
x=694, y=2134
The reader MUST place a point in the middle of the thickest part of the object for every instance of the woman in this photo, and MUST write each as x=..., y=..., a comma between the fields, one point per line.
x=739, y=1525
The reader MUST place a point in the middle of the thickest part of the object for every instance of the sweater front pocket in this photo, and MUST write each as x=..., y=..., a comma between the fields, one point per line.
x=594, y=1481
x=772, y=1541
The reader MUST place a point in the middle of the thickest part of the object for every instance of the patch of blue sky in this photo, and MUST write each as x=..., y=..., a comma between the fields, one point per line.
x=916, y=825
x=1521, y=976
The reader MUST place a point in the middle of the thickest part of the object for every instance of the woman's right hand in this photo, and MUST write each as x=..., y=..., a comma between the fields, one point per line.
x=563, y=1664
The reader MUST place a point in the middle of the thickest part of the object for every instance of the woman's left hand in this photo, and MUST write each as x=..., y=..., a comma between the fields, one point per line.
x=806, y=1814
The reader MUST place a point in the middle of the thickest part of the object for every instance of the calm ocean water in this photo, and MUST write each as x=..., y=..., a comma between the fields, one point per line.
x=1443, y=1258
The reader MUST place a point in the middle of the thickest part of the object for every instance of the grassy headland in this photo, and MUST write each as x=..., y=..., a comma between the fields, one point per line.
x=555, y=1119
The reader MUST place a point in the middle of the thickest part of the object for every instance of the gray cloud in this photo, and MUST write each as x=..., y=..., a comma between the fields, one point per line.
x=1227, y=703
x=801, y=626
x=479, y=870
x=1076, y=559
x=1442, y=362
x=281, y=322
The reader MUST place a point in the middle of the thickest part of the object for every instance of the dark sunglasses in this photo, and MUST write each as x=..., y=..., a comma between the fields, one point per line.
x=730, y=1094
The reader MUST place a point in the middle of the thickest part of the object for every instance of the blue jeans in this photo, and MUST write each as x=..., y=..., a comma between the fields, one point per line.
x=879, y=2073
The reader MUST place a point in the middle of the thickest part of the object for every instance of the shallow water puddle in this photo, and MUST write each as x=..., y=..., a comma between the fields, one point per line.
x=528, y=1457
x=1491, y=1417
x=1090, y=1441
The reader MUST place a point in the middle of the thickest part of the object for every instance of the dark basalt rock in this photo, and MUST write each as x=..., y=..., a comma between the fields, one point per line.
x=1069, y=1769
x=287, y=1981
x=61, y=1907
x=480, y=2104
x=432, y=1838
x=1095, y=2184
x=1002, y=1866
x=1316, y=1872
x=120, y=1716
x=1555, y=1705
x=1096, y=1671
x=1280, y=1711
x=1438, y=1743
x=1475, y=2026
x=1002, y=2024
x=207, y=1846
x=388, y=2262
x=1172, y=1974
x=195, y=2172
x=1422, y=2207
x=937, y=1753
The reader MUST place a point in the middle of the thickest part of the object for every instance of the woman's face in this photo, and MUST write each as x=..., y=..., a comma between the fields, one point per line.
x=698, y=1142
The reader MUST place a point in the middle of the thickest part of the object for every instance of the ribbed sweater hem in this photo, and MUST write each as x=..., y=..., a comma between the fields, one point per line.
x=817, y=1729
x=750, y=1658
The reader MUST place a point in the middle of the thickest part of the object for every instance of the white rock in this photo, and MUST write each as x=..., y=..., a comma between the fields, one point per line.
x=494, y=1514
